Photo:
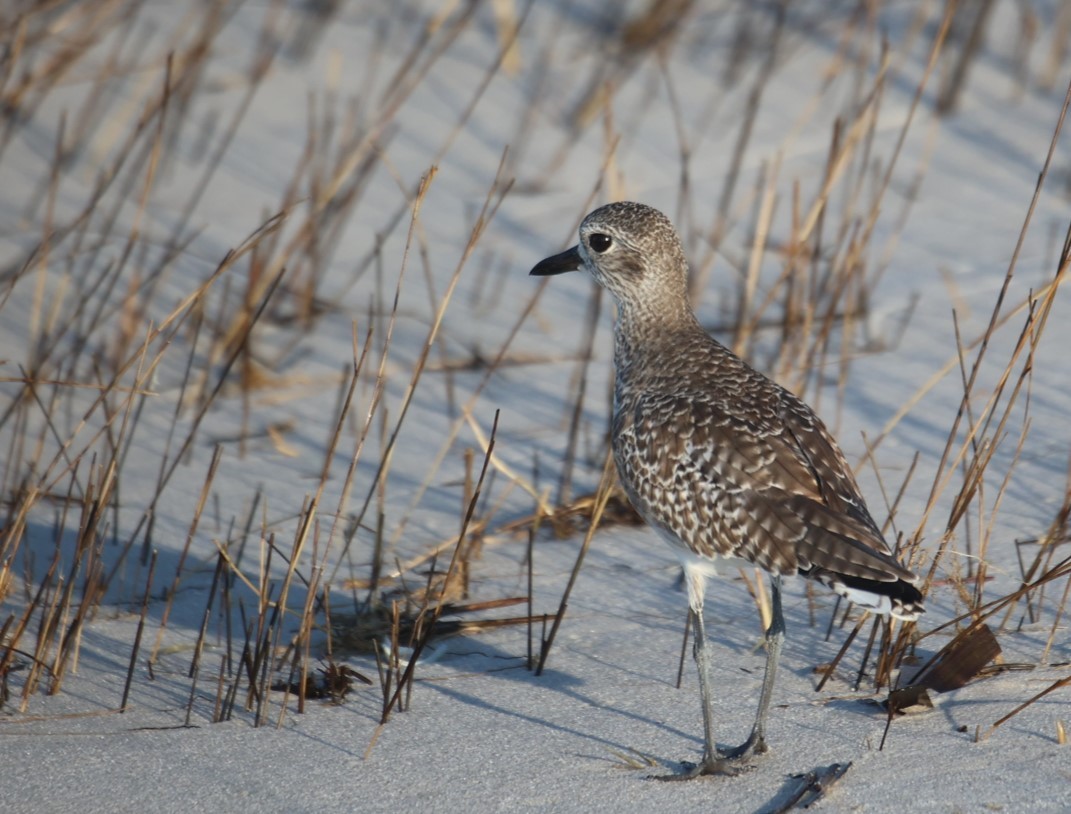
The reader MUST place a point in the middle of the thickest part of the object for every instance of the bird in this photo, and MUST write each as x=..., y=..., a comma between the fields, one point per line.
x=726, y=465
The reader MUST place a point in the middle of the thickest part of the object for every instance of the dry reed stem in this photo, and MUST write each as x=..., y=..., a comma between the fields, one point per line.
x=602, y=495
x=495, y=195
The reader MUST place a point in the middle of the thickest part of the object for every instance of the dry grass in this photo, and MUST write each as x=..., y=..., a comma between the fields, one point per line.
x=117, y=307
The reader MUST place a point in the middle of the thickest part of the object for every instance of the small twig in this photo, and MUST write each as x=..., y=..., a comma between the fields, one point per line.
x=811, y=787
x=602, y=495
x=1059, y=683
x=436, y=612
x=137, y=636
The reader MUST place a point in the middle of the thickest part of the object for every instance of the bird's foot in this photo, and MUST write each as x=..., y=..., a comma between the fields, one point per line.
x=718, y=767
x=754, y=745
x=723, y=764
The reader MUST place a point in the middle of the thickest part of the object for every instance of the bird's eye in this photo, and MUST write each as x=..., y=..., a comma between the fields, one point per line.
x=600, y=242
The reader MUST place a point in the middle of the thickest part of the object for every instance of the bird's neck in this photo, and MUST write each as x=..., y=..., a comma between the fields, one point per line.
x=648, y=339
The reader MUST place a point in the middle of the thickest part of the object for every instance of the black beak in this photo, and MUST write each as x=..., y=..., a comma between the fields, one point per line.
x=568, y=260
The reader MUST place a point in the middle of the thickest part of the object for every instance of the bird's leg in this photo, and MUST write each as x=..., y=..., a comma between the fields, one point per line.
x=712, y=762
x=702, y=662
x=775, y=637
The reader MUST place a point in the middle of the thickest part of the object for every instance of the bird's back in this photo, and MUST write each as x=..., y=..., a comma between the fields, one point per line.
x=728, y=464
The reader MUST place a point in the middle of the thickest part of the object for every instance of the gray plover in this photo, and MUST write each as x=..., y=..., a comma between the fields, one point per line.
x=723, y=462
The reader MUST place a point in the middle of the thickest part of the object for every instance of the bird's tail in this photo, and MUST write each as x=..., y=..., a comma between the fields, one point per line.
x=852, y=559
x=900, y=598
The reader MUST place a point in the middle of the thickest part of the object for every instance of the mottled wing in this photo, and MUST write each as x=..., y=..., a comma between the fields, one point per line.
x=771, y=489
